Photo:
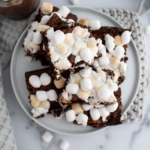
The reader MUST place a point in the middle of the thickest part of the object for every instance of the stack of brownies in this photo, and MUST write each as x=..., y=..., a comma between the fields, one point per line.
x=86, y=64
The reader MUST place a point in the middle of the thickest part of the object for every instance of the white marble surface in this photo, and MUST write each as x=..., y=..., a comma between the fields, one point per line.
x=133, y=136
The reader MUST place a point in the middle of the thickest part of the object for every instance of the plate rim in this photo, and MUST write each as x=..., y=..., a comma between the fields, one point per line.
x=61, y=132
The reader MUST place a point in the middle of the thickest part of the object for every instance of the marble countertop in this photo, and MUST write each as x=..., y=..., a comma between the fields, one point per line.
x=134, y=136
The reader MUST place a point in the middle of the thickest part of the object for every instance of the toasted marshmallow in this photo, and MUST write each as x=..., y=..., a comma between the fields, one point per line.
x=34, y=101
x=54, y=56
x=123, y=68
x=104, y=113
x=68, y=39
x=118, y=41
x=109, y=42
x=91, y=43
x=95, y=64
x=45, y=79
x=87, y=107
x=33, y=47
x=28, y=58
x=60, y=83
x=94, y=24
x=72, y=88
x=83, y=21
x=112, y=107
x=119, y=52
x=57, y=38
x=47, y=137
x=61, y=48
x=41, y=95
x=86, y=72
x=52, y=95
x=63, y=64
x=45, y=104
x=115, y=78
x=37, y=38
x=77, y=47
x=104, y=94
x=70, y=115
x=77, y=108
x=86, y=84
x=86, y=55
x=114, y=62
x=95, y=115
x=80, y=32
x=35, y=81
x=82, y=119
x=64, y=11
x=42, y=28
x=147, y=30
x=64, y=145
x=44, y=19
x=110, y=82
x=83, y=94
x=76, y=78
x=46, y=7
x=125, y=37
x=103, y=61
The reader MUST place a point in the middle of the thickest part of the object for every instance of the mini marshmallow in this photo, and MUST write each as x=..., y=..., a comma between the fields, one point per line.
x=83, y=94
x=82, y=119
x=60, y=83
x=123, y=68
x=91, y=43
x=52, y=95
x=34, y=102
x=28, y=58
x=94, y=24
x=72, y=88
x=70, y=115
x=77, y=108
x=35, y=81
x=110, y=82
x=104, y=113
x=57, y=38
x=104, y=93
x=109, y=42
x=102, y=49
x=118, y=41
x=41, y=95
x=86, y=72
x=147, y=30
x=83, y=21
x=125, y=37
x=47, y=137
x=95, y=64
x=114, y=87
x=37, y=37
x=86, y=84
x=50, y=33
x=64, y=145
x=61, y=48
x=112, y=107
x=45, y=79
x=33, y=47
x=44, y=19
x=46, y=7
x=77, y=47
x=74, y=1
x=42, y=28
x=87, y=107
x=103, y=61
x=95, y=115
x=64, y=11
x=76, y=78
x=86, y=55
x=68, y=39
x=119, y=52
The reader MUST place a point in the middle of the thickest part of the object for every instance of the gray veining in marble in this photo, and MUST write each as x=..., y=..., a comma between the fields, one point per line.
x=133, y=136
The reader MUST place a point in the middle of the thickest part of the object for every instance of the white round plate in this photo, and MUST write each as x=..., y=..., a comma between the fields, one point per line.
x=19, y=66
